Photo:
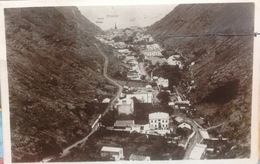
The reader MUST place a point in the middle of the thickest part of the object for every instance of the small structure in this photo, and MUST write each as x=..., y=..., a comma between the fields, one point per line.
x=140, y=128
x=178, y=120
x=159, y=120
x=106, y=100
x=124, y=124
x=144, y=96
x=112, y=152
x=204, y=134
x=151, y=53
x=182, y=104
x=172, y=61
x=198, y=151
x=153, y=47
x=184, y=125
x=183, y=143
x=163, y=82
x=125, y=106
x=148, y=87
x=139, y=158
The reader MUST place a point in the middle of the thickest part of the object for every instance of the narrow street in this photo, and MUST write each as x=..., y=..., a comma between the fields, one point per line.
x=195, y=139
x=143, y=71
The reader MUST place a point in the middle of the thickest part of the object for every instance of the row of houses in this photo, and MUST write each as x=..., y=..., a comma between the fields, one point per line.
x=125, y=104
x=157, y=121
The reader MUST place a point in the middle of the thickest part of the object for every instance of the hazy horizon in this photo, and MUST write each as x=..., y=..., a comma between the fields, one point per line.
x=127, y=15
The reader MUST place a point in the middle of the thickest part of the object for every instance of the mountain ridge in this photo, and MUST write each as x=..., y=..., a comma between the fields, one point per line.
x=223, y=64
x=55, y=75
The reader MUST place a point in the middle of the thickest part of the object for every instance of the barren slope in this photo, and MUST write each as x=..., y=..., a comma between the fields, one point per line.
x=223, y=64
x=54, y=72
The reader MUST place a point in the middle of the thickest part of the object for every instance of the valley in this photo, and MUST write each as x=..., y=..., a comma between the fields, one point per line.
x=178, y=89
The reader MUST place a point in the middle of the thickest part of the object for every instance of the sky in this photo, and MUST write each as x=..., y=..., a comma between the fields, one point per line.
x=127, y=15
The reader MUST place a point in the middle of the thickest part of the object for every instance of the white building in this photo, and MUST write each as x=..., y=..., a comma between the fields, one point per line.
x=139, y=158
x=198, y=151
x=144, y=97
x=124, y=124
x=178, y=120
x=125, y=106
x=124, y=51
x=162, y=82
x=159, y=120
x=114, y=152
x=153, y=47
x=204, y=134
x=106, y=100
x=184, y=125
x=150, y=53
x=150, y=39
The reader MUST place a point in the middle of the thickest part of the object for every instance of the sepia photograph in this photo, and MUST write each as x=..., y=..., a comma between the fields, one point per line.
x=130, y=82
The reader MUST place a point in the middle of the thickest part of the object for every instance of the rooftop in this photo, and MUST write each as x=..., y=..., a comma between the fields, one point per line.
x=125, y=101
x=124, y=123
x=204, y=134
x=197, y=151
x=138, y=157
x=111, y=149
x=184, y=125
x=160, y=115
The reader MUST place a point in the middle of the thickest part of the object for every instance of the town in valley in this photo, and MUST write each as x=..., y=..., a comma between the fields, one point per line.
x=149, y=118
x=112, y=83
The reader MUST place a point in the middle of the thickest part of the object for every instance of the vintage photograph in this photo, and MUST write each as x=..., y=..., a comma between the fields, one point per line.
x=130, y=82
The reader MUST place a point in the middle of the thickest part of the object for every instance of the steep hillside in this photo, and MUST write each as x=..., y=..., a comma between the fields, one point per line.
x=54, y=73
x=223, y=64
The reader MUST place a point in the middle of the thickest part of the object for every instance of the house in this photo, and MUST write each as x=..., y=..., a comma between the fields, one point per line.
x=153, y=47
x=144, y=96
x=183, y=143
x=156, y=60
x=150, y=39
x=184, y=125
x=112, y=152
x=140, y=128
x=150, y=53
x=198, y=152
x=124, y=51
x=148, y=87
x=182, y=104
x=139, y=158
x=204, y=134
x=125, y=106
x=178, y=120
x=162, y=82
x=124, y=124
x=172, y=61
x=106, y=100
x=159, y=120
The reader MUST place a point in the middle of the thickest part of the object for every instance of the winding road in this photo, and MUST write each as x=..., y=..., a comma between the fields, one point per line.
x=112, y=81
x=66, y=151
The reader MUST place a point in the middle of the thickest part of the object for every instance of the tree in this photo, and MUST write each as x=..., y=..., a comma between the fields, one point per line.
x=142, y=77
x=181, y=132
x=164, y=97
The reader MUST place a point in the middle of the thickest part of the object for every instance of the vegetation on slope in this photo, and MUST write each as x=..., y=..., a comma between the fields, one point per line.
x=54, y=73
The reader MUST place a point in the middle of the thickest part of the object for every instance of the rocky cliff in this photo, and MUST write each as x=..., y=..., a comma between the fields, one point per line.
x=215, y=37
x=54, y=73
